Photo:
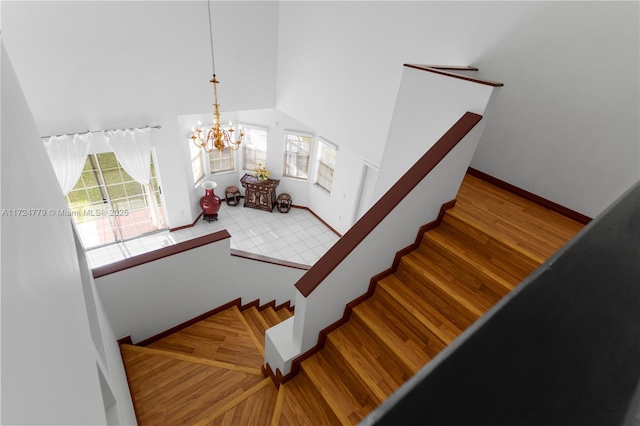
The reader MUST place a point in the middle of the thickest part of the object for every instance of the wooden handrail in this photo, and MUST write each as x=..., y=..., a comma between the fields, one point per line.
x=446, y=70
x=358, y=232
x=131, y=262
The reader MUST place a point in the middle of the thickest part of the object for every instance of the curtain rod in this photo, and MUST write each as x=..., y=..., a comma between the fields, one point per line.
x=100, y=131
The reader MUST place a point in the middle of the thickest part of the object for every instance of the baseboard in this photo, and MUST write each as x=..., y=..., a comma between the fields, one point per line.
x=126, y=340
x=319, y=218
x=188, y=323
x=278, y=378
x=187, y=226
x=236, y=302
x=555, y=207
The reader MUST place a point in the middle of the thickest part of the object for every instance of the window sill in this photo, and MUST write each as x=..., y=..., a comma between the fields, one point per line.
x=322, y=189
x=296, y=179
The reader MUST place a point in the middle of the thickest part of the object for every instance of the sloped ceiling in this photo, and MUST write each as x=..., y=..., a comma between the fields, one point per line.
x=104, y=64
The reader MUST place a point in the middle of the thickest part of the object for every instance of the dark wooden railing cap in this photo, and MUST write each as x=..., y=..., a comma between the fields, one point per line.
x=447, y=70
x=358, y=232
x=131, y=262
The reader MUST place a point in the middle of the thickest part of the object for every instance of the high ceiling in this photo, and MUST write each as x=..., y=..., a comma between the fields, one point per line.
x=104, y=64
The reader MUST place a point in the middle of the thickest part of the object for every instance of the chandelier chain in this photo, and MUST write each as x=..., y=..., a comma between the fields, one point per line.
x=216, y=137
x=213, y=62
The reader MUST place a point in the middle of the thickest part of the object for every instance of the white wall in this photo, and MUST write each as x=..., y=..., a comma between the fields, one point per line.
x=50, y=363
x=426, y=119
x=103, y=64
x=350, y=279
x=276, y=123
x=148, y=299
x=564, y=126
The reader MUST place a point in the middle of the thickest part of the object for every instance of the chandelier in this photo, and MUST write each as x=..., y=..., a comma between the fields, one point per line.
x=216, y=136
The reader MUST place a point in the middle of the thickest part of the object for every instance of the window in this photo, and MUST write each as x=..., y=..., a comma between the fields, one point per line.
x=296, y=155
x=326, y=163
x=254, y=147
x=222, y=161
x=108, y=205
x=196, y=162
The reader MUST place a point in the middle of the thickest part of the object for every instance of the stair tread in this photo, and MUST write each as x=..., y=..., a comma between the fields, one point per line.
x=221, y=337
x=429, y=337
x=270, y=316
x=459, y=316
x=419, y=307
x=250, y=411
x=172, y=391
x=284, y=314
x=255, y=319
x=393, y=333
x=520, y=211
x=438, y=278
x=366, y=359
x=470, y=263
x=497, y=253
x=484, y=247
x=519, y=223
x=342, y=396
x=304, y=405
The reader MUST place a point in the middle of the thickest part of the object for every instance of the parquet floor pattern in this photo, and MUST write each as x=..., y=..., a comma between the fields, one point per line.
x=206, y=374
x=209, y=373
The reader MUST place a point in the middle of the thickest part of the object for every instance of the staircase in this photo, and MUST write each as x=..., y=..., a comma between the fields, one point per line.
x=209, y=373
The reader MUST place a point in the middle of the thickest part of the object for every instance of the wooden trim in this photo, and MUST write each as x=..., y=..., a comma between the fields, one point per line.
x=236, y=302
x=571, y=214
x=126, y=340
x=424, y=228
x=358, y=232
x=276, y=377
x=251, y=304
x=230, y=402
x=187, y=226
x=271, y=304
x=271, y=260
x=150, y=256
x=442, y=70
x=188, y=323
x=285, y=305
x=197, y=360
x=449, y=67
x=322, y=337
x=319, y=218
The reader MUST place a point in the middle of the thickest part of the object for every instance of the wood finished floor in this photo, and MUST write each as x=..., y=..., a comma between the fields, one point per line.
x=209, y=373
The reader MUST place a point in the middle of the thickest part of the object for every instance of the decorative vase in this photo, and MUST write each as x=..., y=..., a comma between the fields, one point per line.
x=262, y=178
x=210, y=202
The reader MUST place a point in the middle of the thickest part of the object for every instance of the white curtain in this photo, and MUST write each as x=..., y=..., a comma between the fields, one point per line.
x=132, y=149
x=68, y=154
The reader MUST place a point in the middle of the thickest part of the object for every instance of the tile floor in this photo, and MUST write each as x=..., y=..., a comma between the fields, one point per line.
x=297, y=236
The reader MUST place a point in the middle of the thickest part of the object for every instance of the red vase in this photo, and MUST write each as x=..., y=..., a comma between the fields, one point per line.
x=210, y=202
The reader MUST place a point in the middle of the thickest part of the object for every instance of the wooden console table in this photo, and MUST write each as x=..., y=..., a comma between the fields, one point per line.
x=259, y=195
